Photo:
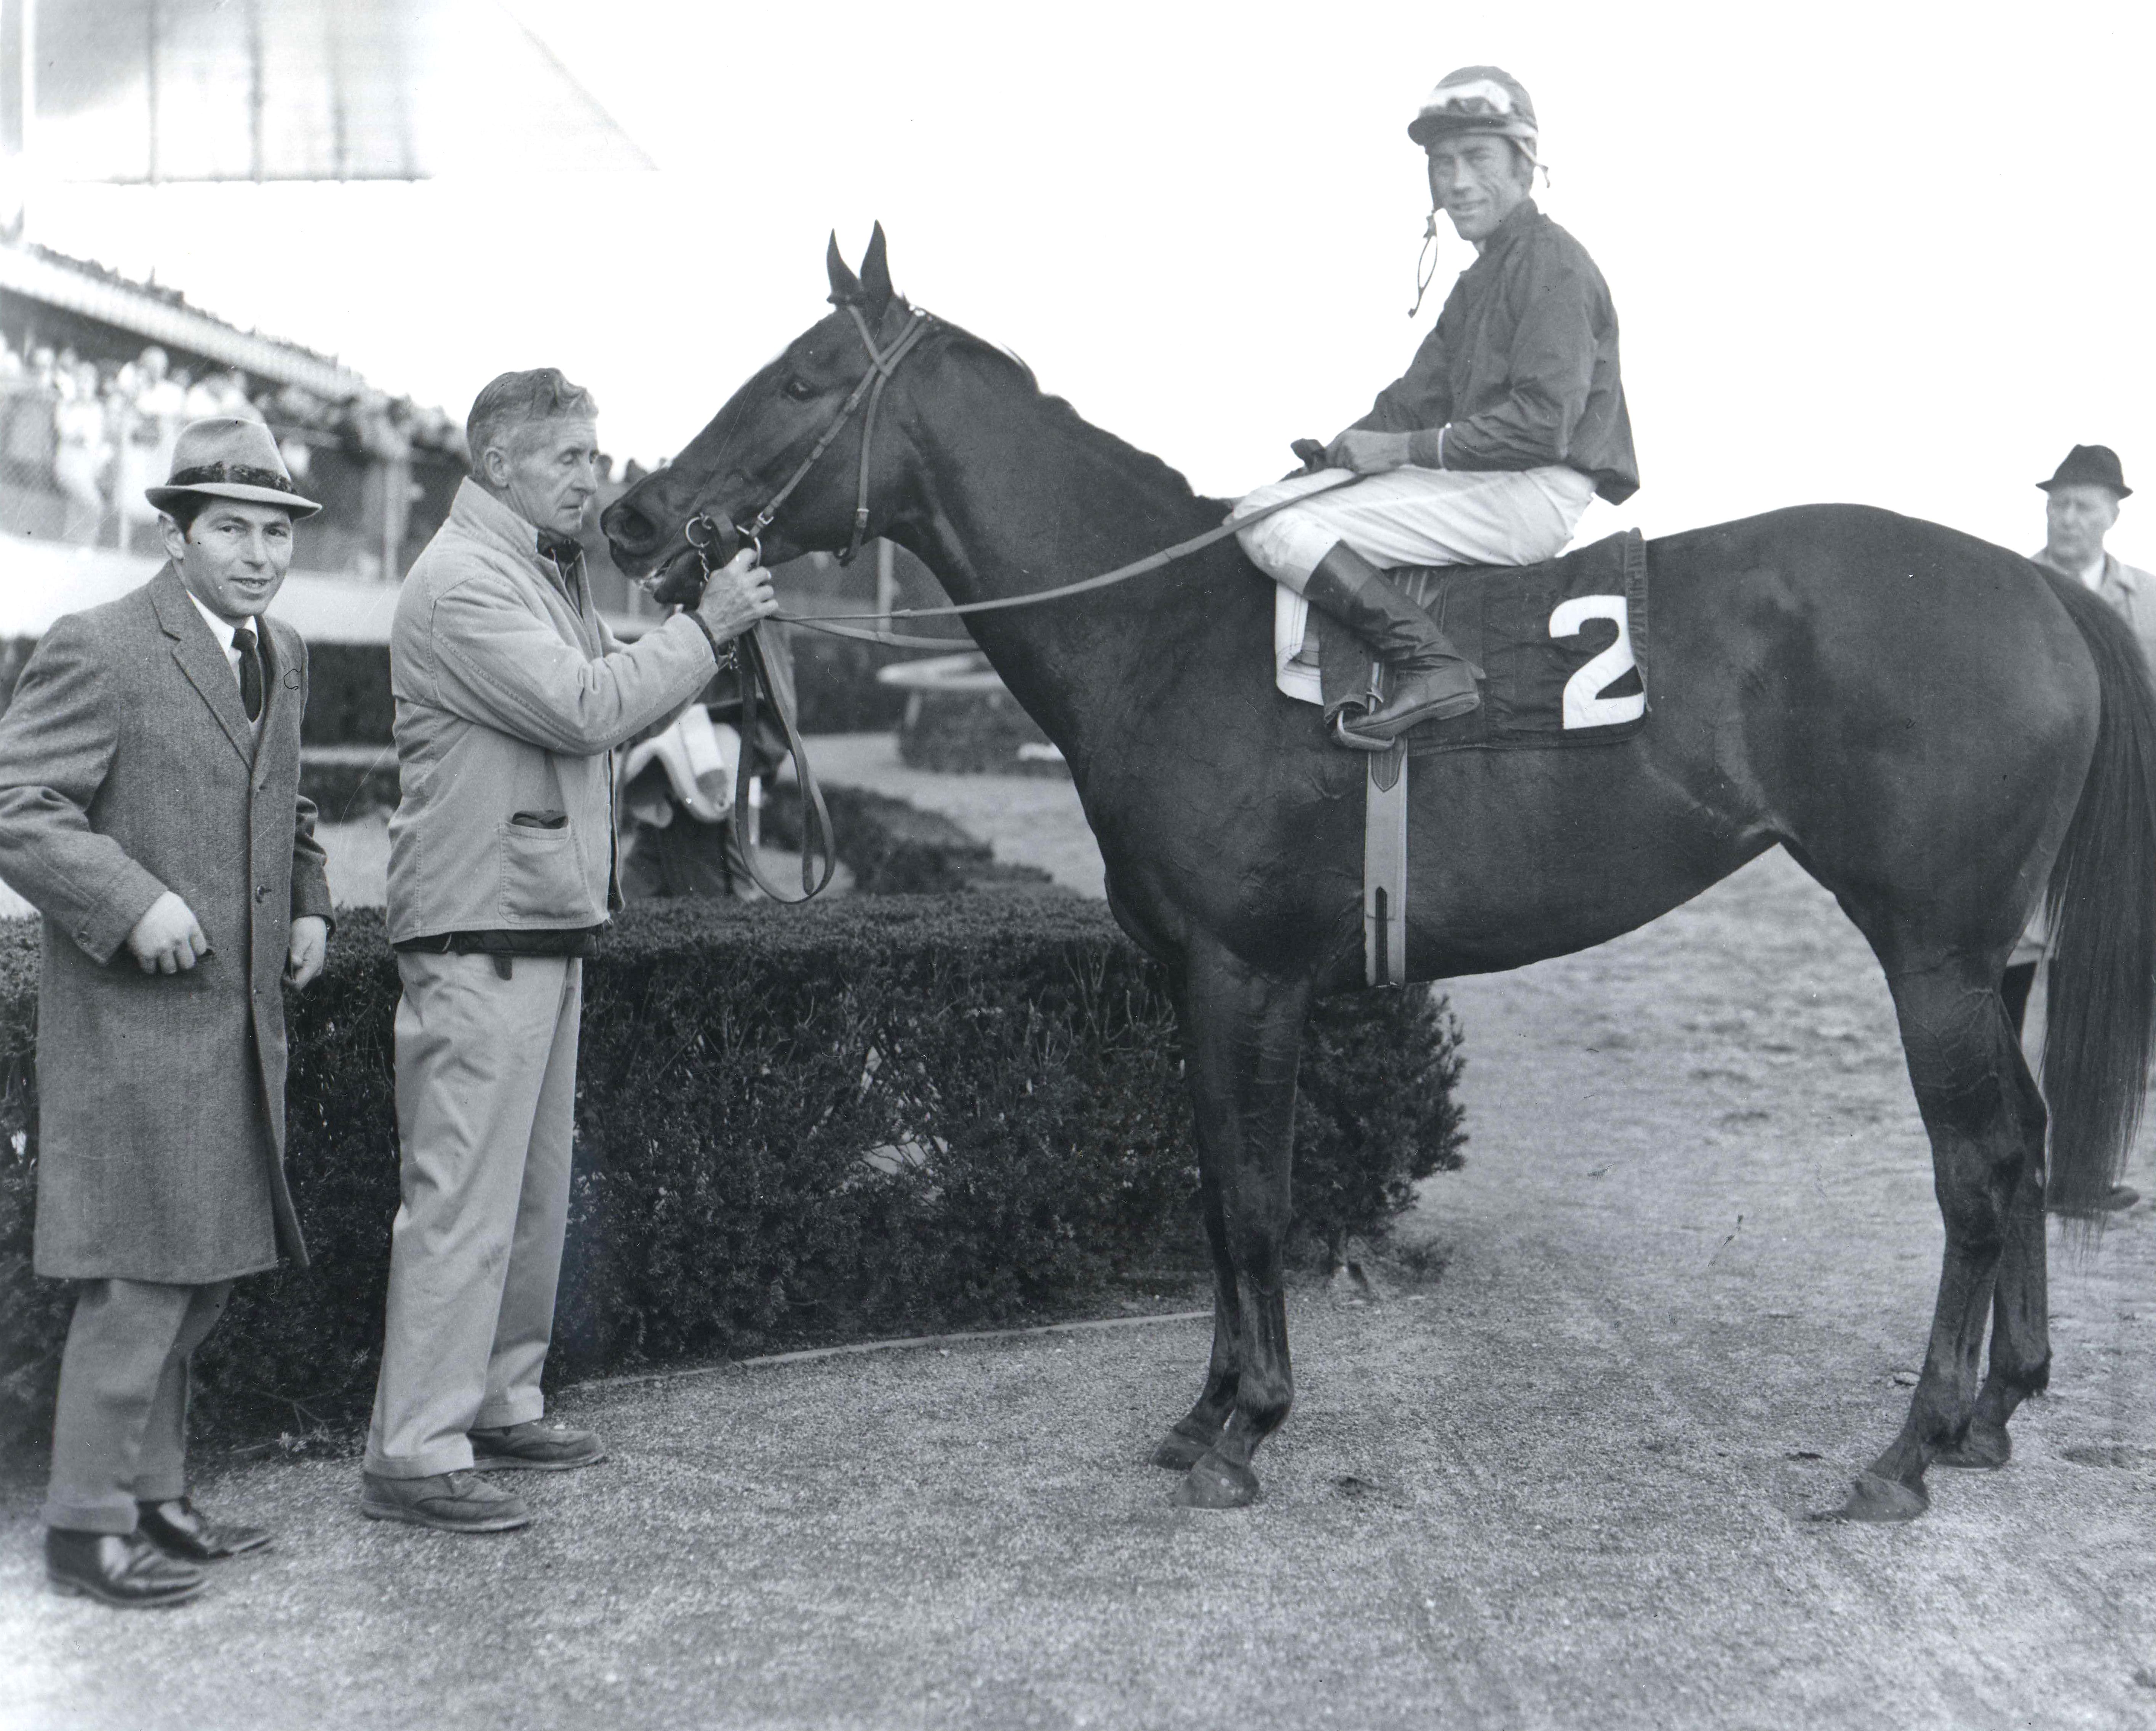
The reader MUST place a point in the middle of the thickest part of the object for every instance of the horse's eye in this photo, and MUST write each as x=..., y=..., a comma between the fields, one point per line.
x=800, y=390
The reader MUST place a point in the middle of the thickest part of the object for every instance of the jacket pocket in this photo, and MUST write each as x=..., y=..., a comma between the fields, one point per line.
x=540, y=878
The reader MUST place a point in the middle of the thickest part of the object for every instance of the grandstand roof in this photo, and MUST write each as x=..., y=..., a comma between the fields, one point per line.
x=160, y=315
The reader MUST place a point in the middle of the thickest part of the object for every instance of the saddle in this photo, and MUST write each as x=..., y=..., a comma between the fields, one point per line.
x=1563, y=651
x=1563, y=646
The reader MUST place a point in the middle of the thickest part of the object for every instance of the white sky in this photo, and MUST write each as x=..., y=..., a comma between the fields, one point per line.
x=1893, y=253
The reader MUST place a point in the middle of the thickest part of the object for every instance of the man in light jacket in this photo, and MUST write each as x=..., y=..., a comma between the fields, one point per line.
x=150, y=808
x=510, y=696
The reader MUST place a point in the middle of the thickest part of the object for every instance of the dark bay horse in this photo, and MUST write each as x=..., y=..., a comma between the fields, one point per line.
x=1939, y=732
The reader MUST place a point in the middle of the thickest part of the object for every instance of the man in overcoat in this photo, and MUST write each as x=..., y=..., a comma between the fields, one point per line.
x=150, y=809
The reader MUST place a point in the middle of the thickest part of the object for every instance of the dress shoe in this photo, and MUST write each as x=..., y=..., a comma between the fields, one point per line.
x=534, y=1447
x=1427, y=678
x=178, y=1529
x=450, y=1502
x=119, y=1569
x=2122, y=1196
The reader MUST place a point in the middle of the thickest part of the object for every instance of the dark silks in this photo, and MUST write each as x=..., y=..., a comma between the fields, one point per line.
x=1935, y=729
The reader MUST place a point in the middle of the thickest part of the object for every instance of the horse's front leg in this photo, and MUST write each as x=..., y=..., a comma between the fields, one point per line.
x=1243, y=1039
x=1199, y=1429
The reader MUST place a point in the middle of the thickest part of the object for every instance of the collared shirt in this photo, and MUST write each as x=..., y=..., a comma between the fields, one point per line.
x=221, y=629
x=1521, y=371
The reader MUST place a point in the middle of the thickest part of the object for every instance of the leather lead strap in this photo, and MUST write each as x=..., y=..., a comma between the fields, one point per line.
x=819, y=853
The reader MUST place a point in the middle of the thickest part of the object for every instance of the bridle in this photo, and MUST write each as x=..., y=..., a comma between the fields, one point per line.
x=819, y=853
x=705, y=532
x=702, y=529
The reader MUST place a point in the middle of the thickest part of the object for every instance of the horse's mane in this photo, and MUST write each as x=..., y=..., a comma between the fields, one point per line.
x=1142, y=467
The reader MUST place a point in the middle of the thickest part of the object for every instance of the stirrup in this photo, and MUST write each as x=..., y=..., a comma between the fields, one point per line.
x=1345, y=735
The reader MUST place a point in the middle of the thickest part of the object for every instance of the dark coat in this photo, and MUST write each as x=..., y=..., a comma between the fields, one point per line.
x=127, y=767
x=1521, y=369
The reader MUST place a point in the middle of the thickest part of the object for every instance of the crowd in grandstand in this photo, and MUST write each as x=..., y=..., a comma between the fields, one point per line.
x=95, y=433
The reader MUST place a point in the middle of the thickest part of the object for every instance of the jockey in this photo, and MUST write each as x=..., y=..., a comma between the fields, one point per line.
x=1487, y=449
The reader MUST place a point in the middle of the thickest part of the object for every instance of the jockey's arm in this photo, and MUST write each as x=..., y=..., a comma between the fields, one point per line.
x=1421, y=398
x=1550, y=375
x=1549, y=372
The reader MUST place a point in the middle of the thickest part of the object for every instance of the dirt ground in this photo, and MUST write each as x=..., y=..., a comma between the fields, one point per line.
x=1686, y=1276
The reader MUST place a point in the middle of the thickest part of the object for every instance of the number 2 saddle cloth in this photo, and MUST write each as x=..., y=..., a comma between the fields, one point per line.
x=1563, y=647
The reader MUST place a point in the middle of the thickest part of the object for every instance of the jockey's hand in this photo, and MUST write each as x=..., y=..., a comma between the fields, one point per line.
x=738, y=595
x=1366, y=452
x=1310, y=452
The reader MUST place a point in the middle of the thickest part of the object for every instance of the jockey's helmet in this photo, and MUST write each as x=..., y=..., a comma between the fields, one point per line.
x=1477, y=99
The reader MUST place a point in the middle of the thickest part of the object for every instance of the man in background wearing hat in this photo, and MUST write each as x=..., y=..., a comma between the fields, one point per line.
x=150, y=809
x=2081, y=505
x=1510, y=418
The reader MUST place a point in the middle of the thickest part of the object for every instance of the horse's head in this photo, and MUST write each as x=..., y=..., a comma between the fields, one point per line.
x=696, y=510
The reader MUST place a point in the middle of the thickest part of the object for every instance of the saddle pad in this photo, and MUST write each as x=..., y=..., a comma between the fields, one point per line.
x=1563, y=647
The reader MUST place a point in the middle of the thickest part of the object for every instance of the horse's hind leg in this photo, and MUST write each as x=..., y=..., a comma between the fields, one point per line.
x=1243, y=1037
x=1973, y=1090
x=2021, y=1307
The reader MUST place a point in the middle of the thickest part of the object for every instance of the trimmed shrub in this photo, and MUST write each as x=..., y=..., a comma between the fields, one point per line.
x=974, y=733
x=884, y=1115
x=348, y=701
x=896, y=849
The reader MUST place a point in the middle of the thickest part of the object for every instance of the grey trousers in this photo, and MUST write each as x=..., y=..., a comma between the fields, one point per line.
x=486, y=1089
x=121, y=1433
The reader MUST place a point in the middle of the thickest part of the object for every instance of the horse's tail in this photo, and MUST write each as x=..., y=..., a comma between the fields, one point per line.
x=2101, y=1013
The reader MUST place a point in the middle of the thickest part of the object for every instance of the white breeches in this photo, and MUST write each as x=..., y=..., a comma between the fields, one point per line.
x=1417, y=516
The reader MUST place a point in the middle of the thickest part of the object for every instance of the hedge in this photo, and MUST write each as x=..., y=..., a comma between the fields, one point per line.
x=975, y=732
x=881, y=1116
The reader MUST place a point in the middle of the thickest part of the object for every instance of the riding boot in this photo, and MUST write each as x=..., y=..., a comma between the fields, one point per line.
x=1429, y=680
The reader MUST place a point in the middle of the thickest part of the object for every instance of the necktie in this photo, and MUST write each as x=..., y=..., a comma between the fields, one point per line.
x=250, y=672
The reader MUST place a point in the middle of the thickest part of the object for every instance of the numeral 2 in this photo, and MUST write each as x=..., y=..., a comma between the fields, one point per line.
x=1583, y=704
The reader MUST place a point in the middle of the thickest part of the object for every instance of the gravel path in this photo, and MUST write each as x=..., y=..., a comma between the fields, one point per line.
x=1691, y=1256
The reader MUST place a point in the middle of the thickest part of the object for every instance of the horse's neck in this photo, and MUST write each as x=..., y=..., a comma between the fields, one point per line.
x=1020, y=495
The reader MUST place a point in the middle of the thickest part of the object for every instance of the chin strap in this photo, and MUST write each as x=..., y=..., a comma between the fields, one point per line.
x=1425, y=261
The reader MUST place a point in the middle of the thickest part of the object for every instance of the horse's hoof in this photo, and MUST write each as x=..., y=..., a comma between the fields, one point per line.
x=1873, y=1498
x=1985, y=1448
x=1215, y=1483
x=1179, y=1452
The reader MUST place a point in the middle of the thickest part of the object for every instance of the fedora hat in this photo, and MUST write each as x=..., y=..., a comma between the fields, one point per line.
x=2091, y=466
x=228, y=458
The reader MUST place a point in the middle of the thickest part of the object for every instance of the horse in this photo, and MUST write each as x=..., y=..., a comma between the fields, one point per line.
x=1938, y=730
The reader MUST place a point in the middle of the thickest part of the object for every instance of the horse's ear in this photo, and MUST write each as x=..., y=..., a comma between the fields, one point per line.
x=875, y=276
x=845, y=286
